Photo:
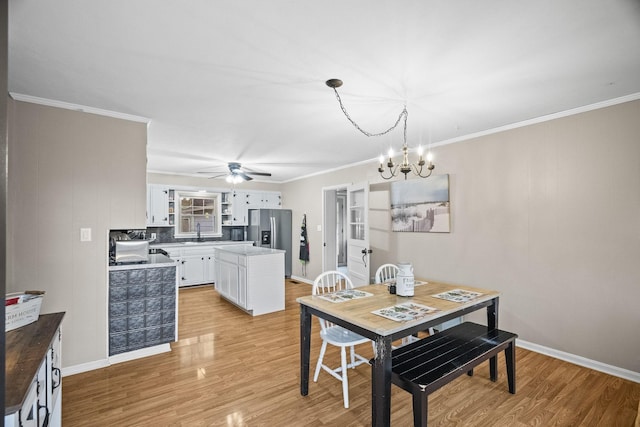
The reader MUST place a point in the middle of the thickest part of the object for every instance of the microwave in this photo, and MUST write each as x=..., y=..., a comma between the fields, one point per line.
x=131, y=251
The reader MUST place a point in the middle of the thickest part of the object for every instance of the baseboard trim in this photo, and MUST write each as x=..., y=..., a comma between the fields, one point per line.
x=581, y=361
x=137, y=354
x=302, y=279
x=124, y=357
x=84, y=367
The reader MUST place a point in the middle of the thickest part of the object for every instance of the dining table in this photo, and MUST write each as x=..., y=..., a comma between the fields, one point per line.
x=375, y=313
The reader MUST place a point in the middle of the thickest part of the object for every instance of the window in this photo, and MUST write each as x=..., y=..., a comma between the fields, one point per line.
x=198, y=212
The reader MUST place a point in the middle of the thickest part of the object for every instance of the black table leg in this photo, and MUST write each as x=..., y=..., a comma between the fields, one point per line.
x=492, y=323
x=305, y=348
x=381, y=383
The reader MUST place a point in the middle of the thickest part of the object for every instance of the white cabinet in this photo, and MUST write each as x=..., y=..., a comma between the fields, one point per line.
x=192, y=269
x=251, y=278
x=157, y=205
x=264, y=200
x=210, y=268
x=196, y=263
x=35, y=351
x=240, y=208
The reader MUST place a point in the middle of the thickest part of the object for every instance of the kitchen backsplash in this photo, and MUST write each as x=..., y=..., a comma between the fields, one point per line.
x=165, y=234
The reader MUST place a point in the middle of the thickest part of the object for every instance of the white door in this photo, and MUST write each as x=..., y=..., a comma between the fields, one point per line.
x=358, y=250
x=329, y=248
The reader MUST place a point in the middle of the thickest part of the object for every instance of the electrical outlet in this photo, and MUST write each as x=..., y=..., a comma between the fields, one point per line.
x=85, y=234
x=153, y=235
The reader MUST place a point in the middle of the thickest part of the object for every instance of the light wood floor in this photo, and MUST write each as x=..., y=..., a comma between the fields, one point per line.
x=231, y=369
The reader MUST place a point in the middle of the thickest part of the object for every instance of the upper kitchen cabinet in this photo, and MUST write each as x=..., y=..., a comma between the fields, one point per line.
x=264, y=199
x=160, y=206
x=236, y=205
x=239, y=209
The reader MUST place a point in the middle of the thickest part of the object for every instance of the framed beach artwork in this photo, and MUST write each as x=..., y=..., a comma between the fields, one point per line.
x=421, y=205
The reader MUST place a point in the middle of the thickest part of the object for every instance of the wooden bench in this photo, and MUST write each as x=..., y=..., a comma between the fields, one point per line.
x=424, y=366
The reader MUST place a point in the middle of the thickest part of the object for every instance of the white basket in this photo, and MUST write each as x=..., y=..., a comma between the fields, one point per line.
x=23, y=313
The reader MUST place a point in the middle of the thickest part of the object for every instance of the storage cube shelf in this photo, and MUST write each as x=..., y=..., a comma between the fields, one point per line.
x=142, y=308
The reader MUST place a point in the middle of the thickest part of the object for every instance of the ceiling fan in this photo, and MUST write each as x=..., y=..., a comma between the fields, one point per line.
x=237, y=173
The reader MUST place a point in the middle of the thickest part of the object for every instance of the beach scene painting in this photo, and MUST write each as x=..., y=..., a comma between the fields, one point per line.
x=421, y=205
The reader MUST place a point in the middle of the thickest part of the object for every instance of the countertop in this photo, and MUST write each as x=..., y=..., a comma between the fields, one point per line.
x=26, y=348
x=154, y=260
x=250, y=250
x=205, y=243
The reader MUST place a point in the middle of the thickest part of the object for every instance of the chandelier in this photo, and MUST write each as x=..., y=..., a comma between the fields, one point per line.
x=392, y=168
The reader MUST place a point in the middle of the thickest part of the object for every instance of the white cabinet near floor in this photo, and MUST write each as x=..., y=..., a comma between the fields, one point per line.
x=196, y=261
x=192, y=269
x=33, y=390
x=251, y=277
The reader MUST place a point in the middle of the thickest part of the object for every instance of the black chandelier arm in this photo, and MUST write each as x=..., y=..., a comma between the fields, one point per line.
x=392, y=172
x=404, y=113
x=418, y=172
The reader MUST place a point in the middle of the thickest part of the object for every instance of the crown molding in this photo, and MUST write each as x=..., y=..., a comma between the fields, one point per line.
x=541, y=119
x=77, y=107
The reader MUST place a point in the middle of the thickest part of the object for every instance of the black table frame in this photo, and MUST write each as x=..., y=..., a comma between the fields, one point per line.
x=381, y=369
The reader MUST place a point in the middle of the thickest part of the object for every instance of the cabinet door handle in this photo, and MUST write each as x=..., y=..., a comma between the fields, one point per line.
x=56, y=377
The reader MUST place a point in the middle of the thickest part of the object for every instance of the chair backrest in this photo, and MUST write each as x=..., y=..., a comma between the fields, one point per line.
x=327, y=282
x=386, y=272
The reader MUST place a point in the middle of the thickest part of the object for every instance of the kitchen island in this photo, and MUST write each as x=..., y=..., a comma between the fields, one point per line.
x=143, y=308
x=250, y=277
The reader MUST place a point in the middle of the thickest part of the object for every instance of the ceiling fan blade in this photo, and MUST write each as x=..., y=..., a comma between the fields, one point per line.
x=258, y=173
x=243, y=175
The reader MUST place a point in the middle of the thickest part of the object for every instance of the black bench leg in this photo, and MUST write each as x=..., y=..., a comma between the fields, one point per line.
x=420, y=409
x=510, y=356
x=470, y=372
x=493, y=368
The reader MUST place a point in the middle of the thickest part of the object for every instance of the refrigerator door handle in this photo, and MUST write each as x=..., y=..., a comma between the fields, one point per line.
x=274, y=233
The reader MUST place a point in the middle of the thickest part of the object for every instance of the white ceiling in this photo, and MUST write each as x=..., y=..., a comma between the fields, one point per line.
x=245, y=80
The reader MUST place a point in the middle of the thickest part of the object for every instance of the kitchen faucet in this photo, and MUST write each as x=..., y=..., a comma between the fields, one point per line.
x=198, y=230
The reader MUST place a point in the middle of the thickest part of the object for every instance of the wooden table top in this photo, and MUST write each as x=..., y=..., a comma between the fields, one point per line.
x=26, y=348
x=359, y=311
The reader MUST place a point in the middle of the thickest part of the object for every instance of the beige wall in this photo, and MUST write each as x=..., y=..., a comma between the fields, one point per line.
x=549, y=214
x=70, y=170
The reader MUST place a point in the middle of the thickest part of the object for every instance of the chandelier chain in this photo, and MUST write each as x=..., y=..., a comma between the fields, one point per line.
x=404, y=114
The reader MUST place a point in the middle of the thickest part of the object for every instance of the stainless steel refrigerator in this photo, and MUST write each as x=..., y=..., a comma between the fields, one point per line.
x=271, y=228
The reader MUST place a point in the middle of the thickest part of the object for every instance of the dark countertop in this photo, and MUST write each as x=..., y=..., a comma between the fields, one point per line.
x=26, y=348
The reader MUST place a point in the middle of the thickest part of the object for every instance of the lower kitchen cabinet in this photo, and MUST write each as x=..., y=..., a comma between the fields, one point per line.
x=196, y=263
x=142, y=307
x=251, y=278
x=193, y=269
x=33, y=392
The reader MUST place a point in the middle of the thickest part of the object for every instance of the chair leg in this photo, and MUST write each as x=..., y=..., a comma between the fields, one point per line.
x=420, y=402
x=510, y=356
x=319, y=364
x=353, y=357
x=345, y=381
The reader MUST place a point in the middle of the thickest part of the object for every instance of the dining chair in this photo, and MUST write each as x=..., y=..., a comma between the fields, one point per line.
x=385, y=273
x=328, y=282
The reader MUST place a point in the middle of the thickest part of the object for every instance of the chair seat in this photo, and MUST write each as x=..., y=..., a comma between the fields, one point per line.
x=339, y=336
